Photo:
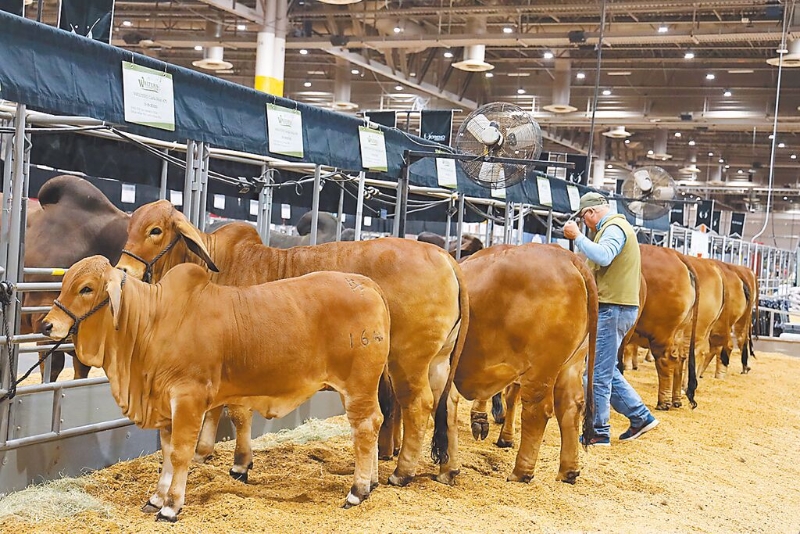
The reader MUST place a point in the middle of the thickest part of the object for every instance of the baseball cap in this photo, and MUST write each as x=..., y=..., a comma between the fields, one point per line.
x=590, y=200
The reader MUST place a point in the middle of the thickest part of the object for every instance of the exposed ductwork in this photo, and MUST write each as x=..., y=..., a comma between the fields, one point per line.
x=561, y=88
x=341, y=87
x=213, y=55
x=475, y=54
x=660, y=147
x=691, y=165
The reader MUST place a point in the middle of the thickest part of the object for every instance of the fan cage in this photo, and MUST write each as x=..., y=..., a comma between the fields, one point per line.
x=638, y=202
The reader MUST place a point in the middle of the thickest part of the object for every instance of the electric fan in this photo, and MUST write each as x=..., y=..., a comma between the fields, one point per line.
x=648, y=192
x=498, y=130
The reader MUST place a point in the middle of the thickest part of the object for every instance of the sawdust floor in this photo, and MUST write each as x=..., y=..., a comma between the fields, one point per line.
x=731, y=465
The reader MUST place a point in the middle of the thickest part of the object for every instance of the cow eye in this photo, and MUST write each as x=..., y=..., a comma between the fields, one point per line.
x=155, y=231
x=86, y=290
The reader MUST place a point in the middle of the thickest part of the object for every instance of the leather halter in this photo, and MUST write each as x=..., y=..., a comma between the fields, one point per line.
x=76, y=321
x=148, y=265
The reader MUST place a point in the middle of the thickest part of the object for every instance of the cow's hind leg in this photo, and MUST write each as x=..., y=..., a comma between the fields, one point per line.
x=479, y=419
x=416, y=403
x=569, y=405
x=208, y=435
x=665, y=363
x=537, y=408
x=365, y=418
x=242, y=419
x=187, y=418
x=389, y=438
x=506, y=438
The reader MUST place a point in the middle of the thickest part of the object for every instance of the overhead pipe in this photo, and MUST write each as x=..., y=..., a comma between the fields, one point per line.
x=213, y=56
x=660, y=146
x=475, y=54
x=561, y=88
x=341, y=87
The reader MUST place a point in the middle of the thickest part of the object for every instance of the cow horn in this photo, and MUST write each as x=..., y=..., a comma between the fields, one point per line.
x=195, y=242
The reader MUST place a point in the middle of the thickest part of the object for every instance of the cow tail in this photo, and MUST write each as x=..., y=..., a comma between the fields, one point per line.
x=440, y=441
x=386, y=398
x=497, y=407
x=752, y=302
x=692, y=385
x=592, y=312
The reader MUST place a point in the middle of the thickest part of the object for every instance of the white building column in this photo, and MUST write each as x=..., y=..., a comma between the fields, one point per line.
x=265, y=50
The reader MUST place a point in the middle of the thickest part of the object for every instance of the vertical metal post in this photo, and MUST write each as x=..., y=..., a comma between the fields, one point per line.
x=264, y=216
x=401, y=205
x=202, y=191
x=521, y=224
x=448, y=224
x=669, y=237
x=550, y=226
x=460, y=229
x=188, y=179
x=315, y=204
x=508, y=223
x=7, y=147
x=340, y=214
x=359, y=207
x=162, y=188
x=489, y=227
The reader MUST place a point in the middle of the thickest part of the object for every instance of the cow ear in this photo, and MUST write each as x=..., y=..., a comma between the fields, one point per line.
x=195, y=242
x=114, y=290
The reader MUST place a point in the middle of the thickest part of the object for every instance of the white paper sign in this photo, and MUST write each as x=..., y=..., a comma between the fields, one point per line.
x=613, y=203
x=373, y=149
x=128, y=193
x=699, y=245
x=499, y=193
x=147, y=97
x=286, y=211
x=176, y=197
x=254, y=207
x=219, y=202
x=574, y=197
x=285, y=131
x=367, y=220
x=446, y=173
x=545, y=195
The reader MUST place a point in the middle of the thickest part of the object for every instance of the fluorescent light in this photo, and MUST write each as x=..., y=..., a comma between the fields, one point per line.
x=127, y=23
x=688, y=55
x=606, y=92
x=303, y=51
x=241, y=27
x=448, y=54
x=619, y=73
x=508, y=29
x=489, y=75
x=740, y=71
x=663, y=29
x=710, y=76
x=548, y=55
x=519, y=74
x=580, y=75
x=306, y=84
x=355, y=71
x=198, y=48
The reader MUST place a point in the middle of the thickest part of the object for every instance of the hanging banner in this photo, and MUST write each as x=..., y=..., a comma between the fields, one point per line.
x=704, y=210
x=285, y=131
x=737, y=225
x=575, y=175
x=384, y=118
x=89, y=18
x=436, y=125
x=373, y=149
x=15, y=7
x=715, y=218
x=147, y=97
x=677, y=214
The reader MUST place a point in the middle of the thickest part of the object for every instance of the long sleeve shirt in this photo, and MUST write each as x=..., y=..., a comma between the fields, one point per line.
x=604, y=251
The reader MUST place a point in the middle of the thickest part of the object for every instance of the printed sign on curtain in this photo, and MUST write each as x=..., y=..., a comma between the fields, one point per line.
x=15, y=7
x=737, y=224
x=715, y=218
x=90, y=18
x=676, y=214
x=384, y=118
x=704, y=210
x=436, y=125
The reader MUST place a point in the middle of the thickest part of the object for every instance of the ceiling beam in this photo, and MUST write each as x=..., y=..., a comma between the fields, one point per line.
x=232, y=7
x=384, y=70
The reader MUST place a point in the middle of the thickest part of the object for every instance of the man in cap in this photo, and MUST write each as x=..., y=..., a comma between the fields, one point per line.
x=615, y=259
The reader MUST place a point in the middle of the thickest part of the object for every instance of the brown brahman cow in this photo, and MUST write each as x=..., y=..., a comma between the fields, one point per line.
x=668, y=320
x=76, y=220
x=743, y=328
x=533, y=309
x=174, y=350
x=422, y=284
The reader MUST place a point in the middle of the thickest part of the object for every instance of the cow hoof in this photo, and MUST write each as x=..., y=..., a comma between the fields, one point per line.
x=571, y=477
x=500, y=419
x=449, y=477
x=516, y=478
x=384, y=457
x=503, y=444
x=480, y=425
x=353, y=499
x=662, y=406
x=150, y=508
x=635, y=367
x=399, y=481
x=373, y=485
x=167, y=518
x=677, y=404
x=241, y=477
x=745, y=370
x=202, y=458
x=396, y=451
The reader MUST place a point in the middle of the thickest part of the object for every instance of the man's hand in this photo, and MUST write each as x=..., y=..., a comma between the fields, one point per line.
x=571, y=230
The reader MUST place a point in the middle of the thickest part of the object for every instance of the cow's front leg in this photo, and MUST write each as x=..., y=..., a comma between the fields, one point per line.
x=365, y=418
x=506, y=439
x=208, y=435
x=569, y=405
x=416, y=404
x=156, y=501
x=479, y=419
x=242, y=419
x=187, y=417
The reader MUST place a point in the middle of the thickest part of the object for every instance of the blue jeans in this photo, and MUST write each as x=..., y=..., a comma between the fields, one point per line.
x=610, y=387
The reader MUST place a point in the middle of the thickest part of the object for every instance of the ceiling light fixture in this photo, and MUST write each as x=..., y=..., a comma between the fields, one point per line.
x=241, y=27
x=303, y=51
x=663, y=29
x=489, y=75
x=727, y=93
x=580, y=75
x=508, y=29
x=398, y=87
x=721, y=160
x=710, y=76
x=448, y=54
x=355, y=71
x=306, y=84
x=520, y=91
x=793, y=156
x=127, y=23
x=398, y=29
x=677, y=134
x=688, y=55
x=649, y=152
x=548, y=55
x=740, y=71
x=627, y=141
x=619, y=73
x=198, y=48
x=691, y=142
x=710, y=154
x=606, y=92
x=781, y=145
